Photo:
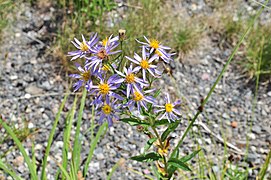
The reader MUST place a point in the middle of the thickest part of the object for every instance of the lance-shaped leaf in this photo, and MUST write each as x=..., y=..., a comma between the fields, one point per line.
x=190, y=156
x=147, y=157
x=133, y=122
x=179, y=164
x=149, y=144
x=170, y=129
x=161, y=122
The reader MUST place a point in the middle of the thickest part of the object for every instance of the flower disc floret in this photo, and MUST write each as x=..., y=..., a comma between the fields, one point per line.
x=169, y=107
x=106, y=109
x=102, y=54
x=130, y=78
x=104, y=88
x=138, y=96
x=144, y=64
x=84, y=46
x=104, y=41
x=154, y=43
x=85, y=75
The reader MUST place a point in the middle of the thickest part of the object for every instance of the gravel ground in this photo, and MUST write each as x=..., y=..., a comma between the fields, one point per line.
x=31, y=84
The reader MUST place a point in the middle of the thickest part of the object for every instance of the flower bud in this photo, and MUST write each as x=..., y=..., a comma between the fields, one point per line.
x=122, y=34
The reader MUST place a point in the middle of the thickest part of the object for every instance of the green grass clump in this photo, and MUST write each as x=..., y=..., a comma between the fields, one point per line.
x=155, y=19
x=80, y=17
x=186, y=39
x=5, y=7
x=258, y=53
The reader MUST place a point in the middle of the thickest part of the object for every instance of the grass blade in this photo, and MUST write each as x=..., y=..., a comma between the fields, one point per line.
x=50, y=140
x=100, y=132
x=67, y=134
x=9, y=171
x=22, y=150
x=114, y=168
x=63, y=170
x=264, y=167
x=33, y=157
x=77, y=143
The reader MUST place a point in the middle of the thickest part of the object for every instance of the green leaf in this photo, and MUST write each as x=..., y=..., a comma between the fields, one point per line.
x=170, y=129
x=176, y=154
x=264, y=168
x=50, y=140
x=149, y=144
x=161, y=122
x=77, y=140
x=179, y=164
x=190, y=156
x=102, y=129
x=157, y=93
x=147, y=157
x=133, y=122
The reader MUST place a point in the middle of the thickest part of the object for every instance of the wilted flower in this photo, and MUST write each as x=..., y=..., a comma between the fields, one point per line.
x=84, y=77
x=169, y=109
x=145, y=63
x=109, y=111
x=141, y=100
x=83, y=47
x=133, y=82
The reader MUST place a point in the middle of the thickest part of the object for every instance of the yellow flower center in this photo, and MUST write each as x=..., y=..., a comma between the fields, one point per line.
x=158, y=53
x=104, y=41
x=169, y=107
x=86, y=75
x=138, y=96
x=105, y=68
x=154, y=43
x=83, y=46
x=106, y=109
x=130, y=78
x=144, y=64
x=104, y=88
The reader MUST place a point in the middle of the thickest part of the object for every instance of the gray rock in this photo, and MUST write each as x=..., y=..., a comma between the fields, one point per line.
x=256, y=129
x=33, y=90
x=251, y=157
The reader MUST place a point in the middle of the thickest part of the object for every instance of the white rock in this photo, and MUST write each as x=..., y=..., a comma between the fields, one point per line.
x=30, y=125
x=27, y=96
x=13, y=77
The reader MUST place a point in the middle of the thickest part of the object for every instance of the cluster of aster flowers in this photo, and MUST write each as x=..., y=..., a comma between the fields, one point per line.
x=120, y=83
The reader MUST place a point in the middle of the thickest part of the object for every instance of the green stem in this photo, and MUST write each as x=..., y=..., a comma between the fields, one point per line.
x=218, y=79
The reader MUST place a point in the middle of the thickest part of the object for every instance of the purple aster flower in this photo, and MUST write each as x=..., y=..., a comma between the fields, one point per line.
x=171, y=113
x=105, y=88
x=110, y=41
x=133, y=83
x=109, y=111
x=83, y=47
x=101, y=54
x=84, y=78
x=155, y=46
x=140, y=100
x=145, y=63
x=166, y=57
